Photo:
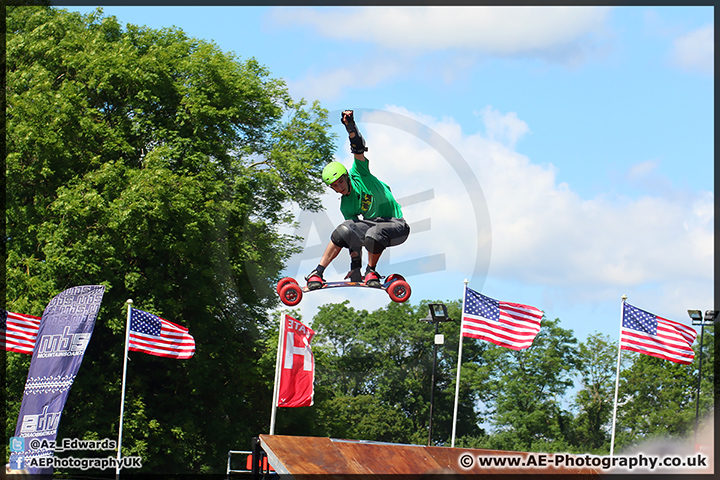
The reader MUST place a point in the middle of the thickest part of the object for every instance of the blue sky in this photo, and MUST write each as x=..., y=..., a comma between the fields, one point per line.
x=589, y=131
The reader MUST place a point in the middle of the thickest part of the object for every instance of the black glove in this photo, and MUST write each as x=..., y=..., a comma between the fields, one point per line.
x=348, y=120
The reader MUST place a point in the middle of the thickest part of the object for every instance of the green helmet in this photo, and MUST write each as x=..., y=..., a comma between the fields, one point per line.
x=333, y=171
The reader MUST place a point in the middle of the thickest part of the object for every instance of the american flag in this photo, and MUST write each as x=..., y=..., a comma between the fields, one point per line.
x=19, y=331
x=156, y=336
x=510, y=325
x=646, y=333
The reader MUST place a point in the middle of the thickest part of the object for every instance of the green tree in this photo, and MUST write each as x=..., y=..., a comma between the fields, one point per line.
x=524, y=389
x=709, y=387
x=375, y=375
x=597, y=358
x=161, y=167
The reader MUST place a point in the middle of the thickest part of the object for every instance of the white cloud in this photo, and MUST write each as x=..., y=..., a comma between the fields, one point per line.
x=557, y=32
x=695, y=51
x=643, y=169
x=401, y=36
x=506, y=128
x=330, y=84
x=545, y=233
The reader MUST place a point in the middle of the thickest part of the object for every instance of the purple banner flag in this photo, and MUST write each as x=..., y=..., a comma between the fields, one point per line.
x=65, y=330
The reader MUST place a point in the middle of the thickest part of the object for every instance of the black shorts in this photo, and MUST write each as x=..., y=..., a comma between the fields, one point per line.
x=375, y=235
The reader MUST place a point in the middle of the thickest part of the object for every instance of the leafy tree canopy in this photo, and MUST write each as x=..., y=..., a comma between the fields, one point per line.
x=161, y=167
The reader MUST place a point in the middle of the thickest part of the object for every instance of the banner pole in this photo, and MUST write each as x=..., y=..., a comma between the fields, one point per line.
x=122, y=398
x=457, y=381
x=617, y=379
x=278, y=361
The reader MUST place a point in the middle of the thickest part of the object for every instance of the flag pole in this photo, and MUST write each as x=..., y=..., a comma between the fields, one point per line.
x=457, y=380
x=122, y=397
x=617, y=378
x=278, y=360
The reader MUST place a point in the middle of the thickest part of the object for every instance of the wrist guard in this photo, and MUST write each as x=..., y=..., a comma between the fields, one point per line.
x=357, y=144
x=355, y=263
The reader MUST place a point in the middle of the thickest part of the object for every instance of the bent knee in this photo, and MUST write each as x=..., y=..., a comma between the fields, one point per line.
x=344, y=237
x=375, y=244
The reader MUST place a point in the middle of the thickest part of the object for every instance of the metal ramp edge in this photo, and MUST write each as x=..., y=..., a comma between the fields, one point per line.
x=310, y=456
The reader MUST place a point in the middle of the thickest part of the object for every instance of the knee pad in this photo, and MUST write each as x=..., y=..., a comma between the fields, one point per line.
x=374, y=245
x=342, y=236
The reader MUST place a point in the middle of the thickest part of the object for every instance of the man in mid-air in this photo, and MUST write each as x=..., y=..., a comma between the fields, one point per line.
x=382, y=224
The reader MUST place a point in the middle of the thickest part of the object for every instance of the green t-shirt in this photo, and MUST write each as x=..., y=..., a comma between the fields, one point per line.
x=368, y=196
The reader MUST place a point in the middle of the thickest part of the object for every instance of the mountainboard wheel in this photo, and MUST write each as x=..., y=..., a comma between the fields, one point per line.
x=399, y=291
x=283, y=282
x=291, y=294
x=394, y=277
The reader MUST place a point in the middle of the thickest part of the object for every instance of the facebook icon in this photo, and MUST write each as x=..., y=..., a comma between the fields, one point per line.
x=17, y=462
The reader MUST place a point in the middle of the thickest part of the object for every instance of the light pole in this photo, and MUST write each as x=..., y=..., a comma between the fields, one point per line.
x=438, y=314
x=709, y=320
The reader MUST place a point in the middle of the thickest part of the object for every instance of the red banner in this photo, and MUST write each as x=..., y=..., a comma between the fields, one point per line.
x=297, y=372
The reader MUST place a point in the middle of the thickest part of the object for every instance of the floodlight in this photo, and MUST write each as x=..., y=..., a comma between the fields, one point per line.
x=438, y=312
x=696, y=316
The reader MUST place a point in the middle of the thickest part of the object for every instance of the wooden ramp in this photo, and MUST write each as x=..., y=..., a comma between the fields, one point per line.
x=310, y=456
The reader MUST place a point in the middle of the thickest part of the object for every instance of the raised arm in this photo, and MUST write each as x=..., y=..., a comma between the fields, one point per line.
x=357, y=142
